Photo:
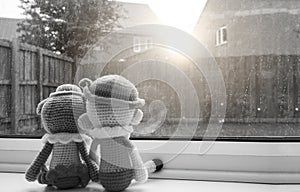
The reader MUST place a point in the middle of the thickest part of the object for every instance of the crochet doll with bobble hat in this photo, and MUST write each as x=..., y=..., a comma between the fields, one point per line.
x=112, y=106
x=59, y=113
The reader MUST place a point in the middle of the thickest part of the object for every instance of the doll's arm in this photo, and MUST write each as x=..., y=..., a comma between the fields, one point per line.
x=40, y=160
x=141, y=173
x=93, y=170
x=94, y=151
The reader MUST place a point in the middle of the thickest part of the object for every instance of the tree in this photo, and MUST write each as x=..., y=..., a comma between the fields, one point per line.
x=68, y=27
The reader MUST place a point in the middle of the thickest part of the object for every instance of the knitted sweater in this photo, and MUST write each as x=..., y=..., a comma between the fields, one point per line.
x=120, y=163
x=68, y=151
x=116, y=150
x=65, y=150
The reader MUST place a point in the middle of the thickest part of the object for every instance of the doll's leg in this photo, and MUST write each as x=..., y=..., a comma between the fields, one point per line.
x=83, y=173
x=154, y=165
x=143, y=169
x=65, y=177
x=116, y=181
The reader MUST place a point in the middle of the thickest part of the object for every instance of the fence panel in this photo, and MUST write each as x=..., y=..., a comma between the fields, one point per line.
x=5, y=88
x=56, y=71
x=28, y=85
x=297, y=86
x=259, y=88
x=28, y=74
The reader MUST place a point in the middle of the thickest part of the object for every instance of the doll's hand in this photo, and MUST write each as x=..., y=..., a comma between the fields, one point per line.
x=35, y=168
x=31, y=174
x=94, y=157
x=94, y=152
x=94, y=175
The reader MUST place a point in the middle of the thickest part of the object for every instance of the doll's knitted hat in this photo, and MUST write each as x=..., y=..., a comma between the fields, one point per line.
x=112, y=100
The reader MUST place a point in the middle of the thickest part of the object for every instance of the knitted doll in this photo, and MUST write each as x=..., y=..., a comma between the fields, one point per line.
x=59, y=113
x=112, y=108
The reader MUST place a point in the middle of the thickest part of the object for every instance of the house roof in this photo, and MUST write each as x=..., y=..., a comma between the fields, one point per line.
x=201, y=15
x=136, y=14
x=8, y=28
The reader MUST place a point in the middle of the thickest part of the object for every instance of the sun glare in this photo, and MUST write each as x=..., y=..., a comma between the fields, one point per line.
x=10, y=9
x=182, y=14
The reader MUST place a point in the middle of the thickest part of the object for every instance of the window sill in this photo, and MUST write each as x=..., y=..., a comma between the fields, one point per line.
x=14, y=182
x=222, y=161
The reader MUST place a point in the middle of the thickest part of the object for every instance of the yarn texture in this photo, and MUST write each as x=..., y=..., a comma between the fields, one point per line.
x=70, y=165
x=112, y=107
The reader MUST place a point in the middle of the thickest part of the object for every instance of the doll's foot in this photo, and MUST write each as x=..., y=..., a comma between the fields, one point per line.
x=42, y=175
x=154, y=165
x=158, y=164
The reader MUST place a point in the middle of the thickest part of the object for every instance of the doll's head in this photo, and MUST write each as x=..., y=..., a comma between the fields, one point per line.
x=61, y=110
x=112, y=101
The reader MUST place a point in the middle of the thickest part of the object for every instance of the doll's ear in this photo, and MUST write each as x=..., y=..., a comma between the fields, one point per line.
x=40, y=106
x=137, y=117
x=85, y=82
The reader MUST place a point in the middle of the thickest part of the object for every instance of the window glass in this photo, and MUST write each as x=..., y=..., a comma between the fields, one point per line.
x=137, y=46
x=221, y=36
x=224, y=34
x=48, y=45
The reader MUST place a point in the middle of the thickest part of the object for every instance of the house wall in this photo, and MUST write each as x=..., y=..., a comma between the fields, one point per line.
x=8, y=28
x=256, y=27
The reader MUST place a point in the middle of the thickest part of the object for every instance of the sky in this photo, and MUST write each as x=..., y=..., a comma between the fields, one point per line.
x=182, y=14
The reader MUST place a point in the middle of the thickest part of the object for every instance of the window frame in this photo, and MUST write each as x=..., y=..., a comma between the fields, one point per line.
x=258, y=162
x=149, y=43
x=137, y=46
x=220, y=36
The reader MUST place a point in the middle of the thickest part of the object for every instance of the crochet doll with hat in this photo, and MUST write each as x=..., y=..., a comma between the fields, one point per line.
x=59, y=114
x=112, y=107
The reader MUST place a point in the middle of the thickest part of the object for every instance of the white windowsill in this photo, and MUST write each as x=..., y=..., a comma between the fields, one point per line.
x=13, y=182
x=224, y=161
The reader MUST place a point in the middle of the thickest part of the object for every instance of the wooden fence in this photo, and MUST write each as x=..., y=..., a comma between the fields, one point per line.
x=262, y=88
x=27, y=75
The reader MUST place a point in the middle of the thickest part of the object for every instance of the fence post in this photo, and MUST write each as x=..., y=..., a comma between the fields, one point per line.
x=40, y=78
x=74, y=68
x=251, y=61
x=15, y=114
